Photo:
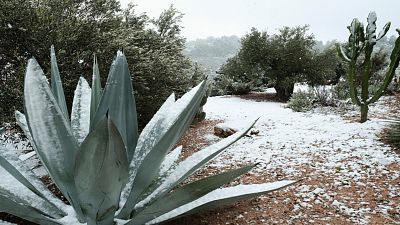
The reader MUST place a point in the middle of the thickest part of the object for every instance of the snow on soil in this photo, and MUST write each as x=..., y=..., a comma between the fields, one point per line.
x=6, y=223
x=348, y=151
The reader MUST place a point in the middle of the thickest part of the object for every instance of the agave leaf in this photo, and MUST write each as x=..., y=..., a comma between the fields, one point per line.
x=223, y=196
x=177, y=123
x=14, y=166
x=166, y=168
x=15, y=191
x=80, y=115
x=190, y=165
x=23, y=210
x=21, y=121
x=96, y=89
x=154, y=130
x=51, y=133
x=169, y=161
x=118, y=101
x=101, y=171
x=56, y=84
x=186, y=194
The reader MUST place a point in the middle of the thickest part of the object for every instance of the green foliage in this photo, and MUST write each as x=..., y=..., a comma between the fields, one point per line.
x=237, y=77
x=280, y=61
x=301, y=101
x=112, y=173
x=157, y=59
x=80, y=28
x=325, y=67
x=341, y=90
x=323, y=96
x=361, y=43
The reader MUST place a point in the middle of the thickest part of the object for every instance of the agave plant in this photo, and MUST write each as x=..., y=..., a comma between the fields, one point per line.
x=107, y=171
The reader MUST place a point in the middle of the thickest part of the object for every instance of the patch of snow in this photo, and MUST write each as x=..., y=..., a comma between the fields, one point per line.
x=26, y=156
x=6, y=223
x=169, y=161
x=348, y=151
x=233, y=125
x=70, y=219
x=80, y=114
x=211, y=137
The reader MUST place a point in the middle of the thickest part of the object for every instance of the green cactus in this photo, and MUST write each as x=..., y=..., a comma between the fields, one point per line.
x=361, y=41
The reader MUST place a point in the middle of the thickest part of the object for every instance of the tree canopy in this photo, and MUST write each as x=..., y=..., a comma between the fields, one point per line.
x=80, y=28
x=280, y=60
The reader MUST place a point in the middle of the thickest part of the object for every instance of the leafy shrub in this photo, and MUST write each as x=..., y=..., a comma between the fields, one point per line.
x=323, y=96
x=341, y=90
x=100, y=163
x=227, y=86
x=301, y=101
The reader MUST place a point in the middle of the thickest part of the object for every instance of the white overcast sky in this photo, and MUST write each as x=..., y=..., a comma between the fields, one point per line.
x=327, y=18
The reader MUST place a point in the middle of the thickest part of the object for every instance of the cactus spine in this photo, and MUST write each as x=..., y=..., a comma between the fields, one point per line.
x=363, y=42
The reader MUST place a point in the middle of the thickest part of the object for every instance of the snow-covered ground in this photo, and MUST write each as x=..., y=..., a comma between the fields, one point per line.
x=350, y=152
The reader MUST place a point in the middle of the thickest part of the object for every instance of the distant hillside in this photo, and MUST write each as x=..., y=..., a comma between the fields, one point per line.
x=212, y=52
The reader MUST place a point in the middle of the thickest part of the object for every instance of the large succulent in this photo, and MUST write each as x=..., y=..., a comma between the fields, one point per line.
x=107, y=171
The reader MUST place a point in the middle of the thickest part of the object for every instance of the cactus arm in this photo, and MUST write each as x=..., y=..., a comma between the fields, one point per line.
x=383, y=31
x=369, y=47
x=371, y=29
x=367, y=74
x=352, y=86
x=342, y=54
x=355, y=45
x=394, y=63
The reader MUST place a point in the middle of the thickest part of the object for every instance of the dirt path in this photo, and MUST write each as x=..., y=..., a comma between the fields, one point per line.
x=349, y=176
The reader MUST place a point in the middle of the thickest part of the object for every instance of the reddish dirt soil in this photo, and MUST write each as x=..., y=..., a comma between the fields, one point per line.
x=277, y=207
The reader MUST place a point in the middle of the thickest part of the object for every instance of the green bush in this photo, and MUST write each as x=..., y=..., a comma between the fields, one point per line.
x=341, y=90
x=323, y=96
x=225, y=85
x=301, y=101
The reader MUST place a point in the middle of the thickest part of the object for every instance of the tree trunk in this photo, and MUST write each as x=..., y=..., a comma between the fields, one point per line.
x=364, y=113
x=283, y=92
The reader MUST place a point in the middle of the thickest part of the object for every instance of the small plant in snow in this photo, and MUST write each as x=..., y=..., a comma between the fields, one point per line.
x=301, y=101
x=104, y=168
x=323, y=95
